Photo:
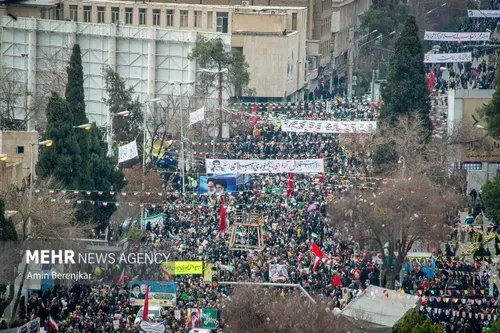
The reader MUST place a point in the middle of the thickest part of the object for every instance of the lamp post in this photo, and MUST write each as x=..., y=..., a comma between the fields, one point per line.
x=183, y=164
x=3, y=157
x=351, y=58
x=222, y=71
x=402, y=161
x=86, y=127
x=109, y=136
x=45, y=143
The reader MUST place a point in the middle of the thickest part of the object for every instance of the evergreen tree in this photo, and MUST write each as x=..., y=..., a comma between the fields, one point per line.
x=7, y=228
x=409, y=321
x=491, y=111
x=405, y=90
x=59, y=159
x=126, y=129
x=75, y=97
x=427, y=327
x=491, y=199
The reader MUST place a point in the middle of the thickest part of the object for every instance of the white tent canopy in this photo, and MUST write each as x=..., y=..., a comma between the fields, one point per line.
x=378, y=309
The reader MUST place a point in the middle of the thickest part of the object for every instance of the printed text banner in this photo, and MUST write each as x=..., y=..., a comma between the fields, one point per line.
x=127, y=152
x=320, y=126
x=430, y=58
x=264, y=166
x=484, y=13
x=196, y=116
x=457, y=36
x=184, y=267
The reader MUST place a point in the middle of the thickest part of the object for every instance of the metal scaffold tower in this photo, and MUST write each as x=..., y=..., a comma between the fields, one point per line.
x=246, y=231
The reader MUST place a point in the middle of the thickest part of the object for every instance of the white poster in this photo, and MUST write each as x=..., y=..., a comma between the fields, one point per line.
x=264, y=166
x=457, y=36
x=196, y=116
x=147, y=327
x=278, y=273
x=484, y=13
x=127, y=152
x=430, y=58
x=321, y=126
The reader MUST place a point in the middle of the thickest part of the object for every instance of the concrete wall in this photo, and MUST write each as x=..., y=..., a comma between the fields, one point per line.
x=9, y=143
x=11, y=174
x=256, y=22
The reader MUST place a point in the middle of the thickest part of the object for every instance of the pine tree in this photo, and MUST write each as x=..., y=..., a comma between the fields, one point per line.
x=491, y=199
x=7, y=228
x=75, y=97
x=405, y=90
x=492, y=111
x=59, y=160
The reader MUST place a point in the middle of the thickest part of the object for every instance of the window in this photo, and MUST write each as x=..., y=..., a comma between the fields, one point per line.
x=115, y=14
x=100, y=14
x=20, y=149
x=222, y=22
x=87, y=10
x=197, y=19
x=156, y=16
x=43, y=14
x=210, y=20
x=170, y=18
x=142, y=16
x=129, y=15
x=184, y=18
x=73, y=13
x=294, y=21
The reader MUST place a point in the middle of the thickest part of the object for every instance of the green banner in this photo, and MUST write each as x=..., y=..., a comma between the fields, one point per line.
x=209, y=319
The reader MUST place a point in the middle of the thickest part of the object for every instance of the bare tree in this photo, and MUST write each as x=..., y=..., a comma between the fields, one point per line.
x=261, y=310
x=401, y=211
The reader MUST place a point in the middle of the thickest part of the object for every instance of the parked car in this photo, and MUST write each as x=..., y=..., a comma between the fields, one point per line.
x=154, y=312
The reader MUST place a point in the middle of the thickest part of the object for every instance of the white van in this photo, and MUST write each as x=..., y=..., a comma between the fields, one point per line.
x=154, y=312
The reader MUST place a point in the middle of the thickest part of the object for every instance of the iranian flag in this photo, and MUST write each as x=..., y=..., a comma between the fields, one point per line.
x=254, y=118
x=146, y=306
x=53, y=324
x=319, y=255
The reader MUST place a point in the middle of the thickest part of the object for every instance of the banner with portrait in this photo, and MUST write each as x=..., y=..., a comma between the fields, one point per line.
x=219, y=184
x=324, y=126
x=484, y=13
x=264, y=166
x=160, y=293
x=201, y=318
x=278, y=273
x=32, y=326
x=433, y=58
x=457, y=36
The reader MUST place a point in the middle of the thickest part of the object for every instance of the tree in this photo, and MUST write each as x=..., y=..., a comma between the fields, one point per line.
x=491, y=111
x=267, y=310
x=405, y=90
x=59, y=160
x=399, y=212
x=427, y=327
x=214, y=54
x=75, y=97
x=491, y=199
x=120, y=99
x=410, y=320
x=7, y=233
x=376, y=19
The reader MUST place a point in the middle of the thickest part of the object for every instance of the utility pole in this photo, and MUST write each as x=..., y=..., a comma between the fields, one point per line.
x=373, y=86
x=350, y=62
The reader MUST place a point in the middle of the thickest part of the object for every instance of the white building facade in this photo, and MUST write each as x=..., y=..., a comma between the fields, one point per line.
x=146, y=57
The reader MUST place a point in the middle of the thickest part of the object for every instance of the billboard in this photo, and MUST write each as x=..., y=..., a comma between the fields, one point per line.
x=218, y=184
x=160, y=293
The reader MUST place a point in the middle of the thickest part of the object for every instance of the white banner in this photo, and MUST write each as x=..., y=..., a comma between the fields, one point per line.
x=430, y=58
x=127, y=152
x=484, y=13
x=264, y=166
x=456, y=36
x=153, y=220
x=321, y=126
x=196, y=116
x=147, y=327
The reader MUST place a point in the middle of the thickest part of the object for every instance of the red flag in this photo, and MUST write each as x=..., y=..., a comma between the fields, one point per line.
x=146, y=306
x=254, y=118
x=289, y=190
x=432, y=80
x=316, y=250
x=336, y=281
x=223, y=222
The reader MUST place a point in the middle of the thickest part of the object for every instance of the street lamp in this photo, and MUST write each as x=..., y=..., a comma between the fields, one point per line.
x=109, y=136
x=3, y=157
x=86, y=127
x=351, y=58
x=433, y=9
x=180, y=84
x=45, y=143
x=222, y=71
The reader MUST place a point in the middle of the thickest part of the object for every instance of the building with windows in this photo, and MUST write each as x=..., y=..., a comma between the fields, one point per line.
x=148, y=44
x=17, y=146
